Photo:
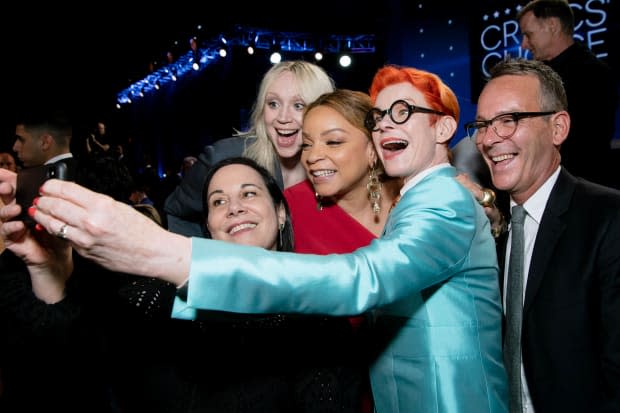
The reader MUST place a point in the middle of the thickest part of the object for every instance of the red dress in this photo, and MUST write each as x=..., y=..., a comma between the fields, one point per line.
x=324, y=231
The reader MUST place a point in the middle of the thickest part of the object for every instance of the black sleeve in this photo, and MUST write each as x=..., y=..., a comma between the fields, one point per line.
x=19, y=306
x=183, y=207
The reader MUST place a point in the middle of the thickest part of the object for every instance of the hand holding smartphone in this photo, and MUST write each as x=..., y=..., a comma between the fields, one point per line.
x=29, y=180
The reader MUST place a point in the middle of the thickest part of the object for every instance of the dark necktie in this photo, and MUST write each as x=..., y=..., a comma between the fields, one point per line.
x=514, y=310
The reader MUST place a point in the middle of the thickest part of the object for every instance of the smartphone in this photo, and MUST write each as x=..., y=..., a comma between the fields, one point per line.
x=29, y=180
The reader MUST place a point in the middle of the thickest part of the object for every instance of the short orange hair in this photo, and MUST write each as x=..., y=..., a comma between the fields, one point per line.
x=438, y=95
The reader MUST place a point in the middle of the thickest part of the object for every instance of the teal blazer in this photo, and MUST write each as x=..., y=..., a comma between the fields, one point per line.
x=431, y=282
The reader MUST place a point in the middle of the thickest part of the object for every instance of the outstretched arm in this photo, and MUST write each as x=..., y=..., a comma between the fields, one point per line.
x=111, y=233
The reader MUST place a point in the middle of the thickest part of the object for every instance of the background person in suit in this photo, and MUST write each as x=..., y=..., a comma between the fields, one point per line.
x=591, y=88
x=43, y=138
x=571, y=313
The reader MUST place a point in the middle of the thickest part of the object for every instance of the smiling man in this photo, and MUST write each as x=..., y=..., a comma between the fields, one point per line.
x=570, y=328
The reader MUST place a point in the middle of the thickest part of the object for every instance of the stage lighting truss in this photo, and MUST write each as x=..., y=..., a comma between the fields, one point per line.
x=260, y=39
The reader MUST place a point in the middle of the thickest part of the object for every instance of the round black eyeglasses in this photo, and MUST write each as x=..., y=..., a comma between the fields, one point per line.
x=504, y=125
x=400, y=112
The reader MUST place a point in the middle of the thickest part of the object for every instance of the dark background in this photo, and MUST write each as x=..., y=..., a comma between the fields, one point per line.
x=81, y=58
x=99, y=50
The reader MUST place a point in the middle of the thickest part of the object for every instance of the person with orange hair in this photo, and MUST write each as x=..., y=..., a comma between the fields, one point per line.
x=430, y=281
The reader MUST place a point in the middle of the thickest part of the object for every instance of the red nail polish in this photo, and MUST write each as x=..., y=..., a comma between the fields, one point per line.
x=31, y=211
x=35, y=201
x=41, y=189
x=38, y=227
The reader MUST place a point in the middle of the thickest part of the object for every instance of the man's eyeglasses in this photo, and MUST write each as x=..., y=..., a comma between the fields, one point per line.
x=399, y=112
x=504, y=125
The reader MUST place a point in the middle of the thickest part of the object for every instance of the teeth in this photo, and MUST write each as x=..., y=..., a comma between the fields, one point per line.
x=394, y=144
x=502, y=157
x=323, y=172
x=239, y=227
x=286, y=132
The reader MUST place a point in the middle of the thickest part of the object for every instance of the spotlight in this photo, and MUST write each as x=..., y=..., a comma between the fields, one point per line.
x=319, y=49
x=252, y=45
x=223, y=49
x=218, y=47
x=195, y=59
x=275, y=57
x=276, y=48
x=345, y=60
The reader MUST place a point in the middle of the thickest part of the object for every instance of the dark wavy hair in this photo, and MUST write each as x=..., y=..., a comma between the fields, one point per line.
x=285, y=236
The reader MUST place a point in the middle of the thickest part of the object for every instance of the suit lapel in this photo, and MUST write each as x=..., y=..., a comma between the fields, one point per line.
x=552, y=225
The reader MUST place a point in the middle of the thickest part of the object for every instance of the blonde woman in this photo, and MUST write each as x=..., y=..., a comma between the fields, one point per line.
x=273, y=140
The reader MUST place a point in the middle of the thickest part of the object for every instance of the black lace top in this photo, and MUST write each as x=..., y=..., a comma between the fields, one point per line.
x=114, y=335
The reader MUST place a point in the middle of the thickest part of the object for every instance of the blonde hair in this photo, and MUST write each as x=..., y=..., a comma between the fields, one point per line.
x=150, y=211
x=312, y=82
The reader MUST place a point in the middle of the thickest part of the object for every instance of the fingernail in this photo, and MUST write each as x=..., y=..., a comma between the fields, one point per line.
x=41, y=189
x=38, y=227
x=31, y=211
x=35, y=201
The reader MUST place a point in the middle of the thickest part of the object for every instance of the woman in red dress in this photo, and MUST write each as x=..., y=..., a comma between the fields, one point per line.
x=344, y=203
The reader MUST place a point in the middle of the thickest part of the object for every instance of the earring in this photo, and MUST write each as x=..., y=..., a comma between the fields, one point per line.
x=319, y=206
x=374, y=190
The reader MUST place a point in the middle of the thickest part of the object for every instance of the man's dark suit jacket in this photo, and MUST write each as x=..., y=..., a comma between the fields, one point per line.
x=571, y=313
x=72, y=167
x=586, y=152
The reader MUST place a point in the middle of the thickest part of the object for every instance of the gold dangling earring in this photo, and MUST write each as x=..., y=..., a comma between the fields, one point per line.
x=374, y=191
x=319, y=206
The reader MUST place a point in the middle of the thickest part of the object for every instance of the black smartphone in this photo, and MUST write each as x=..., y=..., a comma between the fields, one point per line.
x=29, y=180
